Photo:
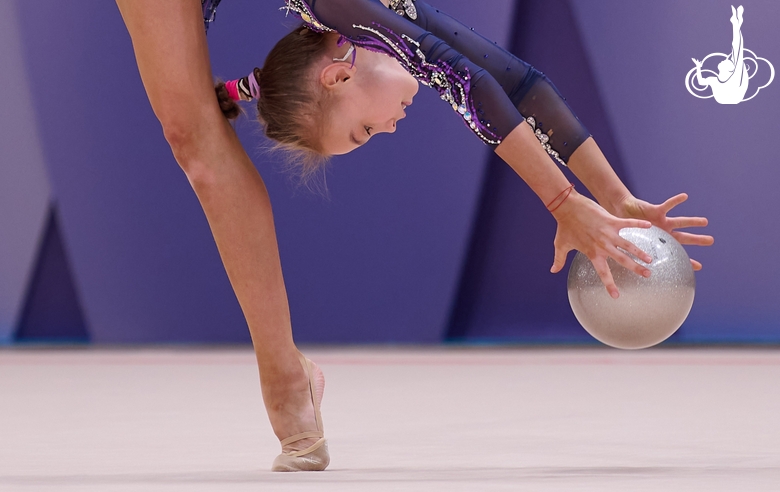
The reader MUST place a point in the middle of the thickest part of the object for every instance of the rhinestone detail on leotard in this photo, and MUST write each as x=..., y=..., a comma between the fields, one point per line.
x=544, y=139
x=302, y=10
x=404, y=7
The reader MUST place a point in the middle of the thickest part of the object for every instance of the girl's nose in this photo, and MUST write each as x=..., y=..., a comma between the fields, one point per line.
x=389, y=127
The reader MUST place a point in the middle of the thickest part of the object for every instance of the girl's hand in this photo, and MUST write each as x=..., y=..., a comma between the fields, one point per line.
x=633, y=208
x=585, y=226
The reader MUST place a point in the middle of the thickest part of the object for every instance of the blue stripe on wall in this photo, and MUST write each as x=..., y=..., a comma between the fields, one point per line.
x=52, y=310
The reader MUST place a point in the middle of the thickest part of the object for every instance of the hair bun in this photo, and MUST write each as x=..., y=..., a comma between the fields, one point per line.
x=229, y=107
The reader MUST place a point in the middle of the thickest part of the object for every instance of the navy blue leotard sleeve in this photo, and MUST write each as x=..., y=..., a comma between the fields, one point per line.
x=531, y=92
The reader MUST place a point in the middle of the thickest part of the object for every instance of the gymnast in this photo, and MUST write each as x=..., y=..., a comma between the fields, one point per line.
x=312, y=95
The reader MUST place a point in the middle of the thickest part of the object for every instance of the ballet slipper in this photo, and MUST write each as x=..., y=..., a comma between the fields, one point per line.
x=316, y=456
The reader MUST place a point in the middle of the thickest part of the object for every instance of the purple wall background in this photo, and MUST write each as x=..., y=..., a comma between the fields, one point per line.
x=416, y=242
x=378, y=262
x=24, y=184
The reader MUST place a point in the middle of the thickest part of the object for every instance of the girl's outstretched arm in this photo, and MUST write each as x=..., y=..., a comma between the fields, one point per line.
x=172, y=55
x=582, y=224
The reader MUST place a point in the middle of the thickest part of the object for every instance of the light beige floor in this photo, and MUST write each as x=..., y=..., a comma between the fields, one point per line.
x=397, y=420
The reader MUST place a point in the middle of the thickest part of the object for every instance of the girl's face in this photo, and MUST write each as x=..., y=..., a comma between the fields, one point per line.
x=368, y=99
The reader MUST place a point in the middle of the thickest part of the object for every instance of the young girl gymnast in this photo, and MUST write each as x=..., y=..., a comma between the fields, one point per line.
x=347, y=74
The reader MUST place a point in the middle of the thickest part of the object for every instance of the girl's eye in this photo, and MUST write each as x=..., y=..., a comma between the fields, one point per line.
x=368, y=130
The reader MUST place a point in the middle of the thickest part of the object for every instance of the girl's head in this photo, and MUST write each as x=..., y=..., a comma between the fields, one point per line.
x=367, y=97
x=315, y=102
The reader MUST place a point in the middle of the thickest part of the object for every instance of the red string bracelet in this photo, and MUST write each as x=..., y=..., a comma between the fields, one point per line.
x=565, y=194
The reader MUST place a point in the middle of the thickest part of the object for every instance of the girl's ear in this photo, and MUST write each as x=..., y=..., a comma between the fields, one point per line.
x=337, y=73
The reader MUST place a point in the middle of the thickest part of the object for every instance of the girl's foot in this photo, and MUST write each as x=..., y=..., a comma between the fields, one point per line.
x=293, y=407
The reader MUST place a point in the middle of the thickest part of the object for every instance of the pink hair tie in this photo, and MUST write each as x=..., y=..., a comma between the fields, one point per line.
x=232, y=88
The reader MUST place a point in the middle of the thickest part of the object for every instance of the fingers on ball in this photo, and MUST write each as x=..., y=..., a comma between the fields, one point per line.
x=629, y=263
x=600, y=264
x=634, y=250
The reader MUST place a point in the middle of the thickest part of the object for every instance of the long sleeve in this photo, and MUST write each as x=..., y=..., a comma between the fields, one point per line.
x=533, y=94
x=470, y=89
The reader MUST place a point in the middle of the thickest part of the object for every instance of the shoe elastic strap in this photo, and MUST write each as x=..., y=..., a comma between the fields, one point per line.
x=302, y=435
x=308, y=450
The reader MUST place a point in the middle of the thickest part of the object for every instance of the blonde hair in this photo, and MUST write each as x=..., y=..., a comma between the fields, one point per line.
x=292, y=105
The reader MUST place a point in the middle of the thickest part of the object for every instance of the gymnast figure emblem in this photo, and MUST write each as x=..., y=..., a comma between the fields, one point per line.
x=730, y=83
